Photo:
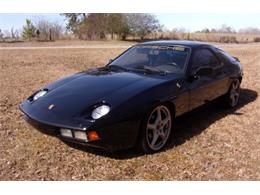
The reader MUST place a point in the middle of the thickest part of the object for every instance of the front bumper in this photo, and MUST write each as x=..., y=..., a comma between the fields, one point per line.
x=114, y=137
x=55, y=131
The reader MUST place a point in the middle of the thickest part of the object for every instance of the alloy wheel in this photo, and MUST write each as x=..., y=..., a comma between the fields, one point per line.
x=234, y=93
x=158, y=127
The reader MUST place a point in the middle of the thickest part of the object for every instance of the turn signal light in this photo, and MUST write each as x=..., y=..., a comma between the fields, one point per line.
x=92, y=136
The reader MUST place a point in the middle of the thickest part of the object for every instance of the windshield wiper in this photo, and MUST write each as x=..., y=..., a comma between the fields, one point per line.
x=116, y=67
x=150, y=69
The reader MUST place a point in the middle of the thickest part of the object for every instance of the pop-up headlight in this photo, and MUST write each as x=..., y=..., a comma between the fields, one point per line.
x=100, y=111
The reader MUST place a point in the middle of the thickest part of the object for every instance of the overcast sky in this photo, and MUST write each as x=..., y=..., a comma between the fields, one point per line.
x=192, y=22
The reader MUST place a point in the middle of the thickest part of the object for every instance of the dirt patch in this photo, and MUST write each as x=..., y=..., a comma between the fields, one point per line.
x=209, y=144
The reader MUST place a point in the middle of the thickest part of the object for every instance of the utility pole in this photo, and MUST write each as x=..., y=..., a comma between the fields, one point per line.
x=50, y=35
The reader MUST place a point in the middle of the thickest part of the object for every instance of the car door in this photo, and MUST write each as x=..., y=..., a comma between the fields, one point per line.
x=203, y=88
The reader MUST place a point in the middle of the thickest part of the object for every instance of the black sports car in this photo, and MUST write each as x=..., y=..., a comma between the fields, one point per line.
x=135, y=97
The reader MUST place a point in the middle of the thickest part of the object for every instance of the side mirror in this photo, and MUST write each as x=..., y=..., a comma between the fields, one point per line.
x=204, y=71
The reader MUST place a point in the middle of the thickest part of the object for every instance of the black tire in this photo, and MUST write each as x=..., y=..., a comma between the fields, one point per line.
x=155, y=133
x=231, y=99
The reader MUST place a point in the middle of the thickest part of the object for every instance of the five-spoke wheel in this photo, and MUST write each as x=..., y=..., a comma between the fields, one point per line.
x=157, y=129
x=231, y=98
x=234, y=93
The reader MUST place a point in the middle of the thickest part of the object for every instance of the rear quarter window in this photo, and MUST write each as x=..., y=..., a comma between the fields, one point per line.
x=204, y=57
x=226, y=56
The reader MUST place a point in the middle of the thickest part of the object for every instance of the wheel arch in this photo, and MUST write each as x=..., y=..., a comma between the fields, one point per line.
x=172, y=107
x=240, y=78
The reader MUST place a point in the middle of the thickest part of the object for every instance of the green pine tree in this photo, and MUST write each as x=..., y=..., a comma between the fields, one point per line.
x=29, y=30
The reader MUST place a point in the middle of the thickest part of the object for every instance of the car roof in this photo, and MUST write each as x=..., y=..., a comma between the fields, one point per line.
x=192, y=44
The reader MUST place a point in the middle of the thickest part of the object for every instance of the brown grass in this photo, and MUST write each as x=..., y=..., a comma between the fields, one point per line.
x=61, y=43
x=209, y=144
x=212, y=37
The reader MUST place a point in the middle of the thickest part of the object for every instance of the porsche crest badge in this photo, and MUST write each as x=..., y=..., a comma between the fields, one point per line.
x=51, y=106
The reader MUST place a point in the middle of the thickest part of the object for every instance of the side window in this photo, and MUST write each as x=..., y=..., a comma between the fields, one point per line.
x=203, y=57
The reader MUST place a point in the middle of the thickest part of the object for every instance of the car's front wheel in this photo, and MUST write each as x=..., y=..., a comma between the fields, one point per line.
x=156, y=129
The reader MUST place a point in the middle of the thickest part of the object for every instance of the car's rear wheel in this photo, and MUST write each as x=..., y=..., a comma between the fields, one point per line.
x=232, y=97
x=156, y=129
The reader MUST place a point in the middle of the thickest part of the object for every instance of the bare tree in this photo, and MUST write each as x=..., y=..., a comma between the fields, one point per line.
x=142, y=24
x=205, y=30
x=1, y=35
x=180, y=30
x=57, y=30
x=7, y=34
x=42, y=27
x=226, y=29
x=47, y=30
x=14, y=34
x=250, y=30
x=74, y=21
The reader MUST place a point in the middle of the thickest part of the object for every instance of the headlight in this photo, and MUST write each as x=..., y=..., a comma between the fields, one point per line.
x=39, y=94
x=100, y=111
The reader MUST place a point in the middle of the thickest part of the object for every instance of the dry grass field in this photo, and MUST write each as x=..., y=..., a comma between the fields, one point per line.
x=213, y=37
x=209, y=144
x=66, y=43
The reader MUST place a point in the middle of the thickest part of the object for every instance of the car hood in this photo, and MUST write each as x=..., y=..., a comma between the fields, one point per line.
x=75, y=93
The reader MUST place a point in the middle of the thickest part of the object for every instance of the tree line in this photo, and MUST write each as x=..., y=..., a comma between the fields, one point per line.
x=40, y=30
x=98, y=25
x=229, y=29
x=93, y=26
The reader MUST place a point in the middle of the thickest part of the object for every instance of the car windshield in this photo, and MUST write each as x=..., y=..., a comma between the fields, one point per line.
x=168, y=59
